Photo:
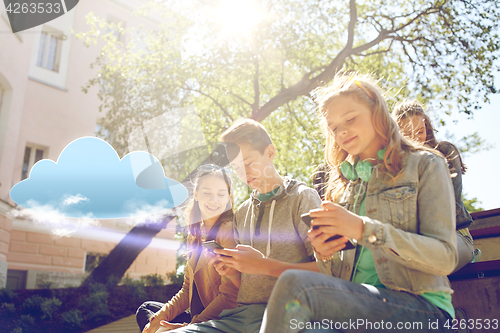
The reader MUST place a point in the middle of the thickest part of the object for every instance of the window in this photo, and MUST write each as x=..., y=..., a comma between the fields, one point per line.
x=31, y=156
x=49, y=50
x=16, y=279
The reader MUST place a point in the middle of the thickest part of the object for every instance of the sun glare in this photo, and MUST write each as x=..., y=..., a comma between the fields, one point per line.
x=238, y=17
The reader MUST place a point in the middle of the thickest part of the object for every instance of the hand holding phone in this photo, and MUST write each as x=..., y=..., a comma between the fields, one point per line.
x=211, y=245
x=307, y=218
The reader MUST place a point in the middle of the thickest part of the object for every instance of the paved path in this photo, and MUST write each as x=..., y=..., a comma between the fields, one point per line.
x=124, y=325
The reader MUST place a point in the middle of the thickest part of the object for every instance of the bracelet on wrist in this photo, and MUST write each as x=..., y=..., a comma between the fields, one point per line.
x=323, y=258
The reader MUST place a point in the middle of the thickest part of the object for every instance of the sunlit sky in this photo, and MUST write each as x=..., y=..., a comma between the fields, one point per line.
x=238, y=17
x=482, y=180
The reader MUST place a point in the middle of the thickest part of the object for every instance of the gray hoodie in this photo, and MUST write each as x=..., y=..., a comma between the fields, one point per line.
x=278, y=232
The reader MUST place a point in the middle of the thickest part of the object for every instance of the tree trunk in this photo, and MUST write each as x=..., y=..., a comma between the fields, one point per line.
x=114, y=266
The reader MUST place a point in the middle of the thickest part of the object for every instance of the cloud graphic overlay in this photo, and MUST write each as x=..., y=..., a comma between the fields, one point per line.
x=90, y=181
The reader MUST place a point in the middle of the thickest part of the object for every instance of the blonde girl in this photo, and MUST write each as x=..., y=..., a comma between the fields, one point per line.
x=415, y=124
x=205, y=292
x=394, y=201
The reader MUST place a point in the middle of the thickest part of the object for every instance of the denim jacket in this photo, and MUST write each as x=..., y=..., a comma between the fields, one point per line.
x=409, y=227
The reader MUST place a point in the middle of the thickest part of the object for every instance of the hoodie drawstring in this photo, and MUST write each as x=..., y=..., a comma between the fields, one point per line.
x=268, y=251
x=252, y=229
x=253, y=225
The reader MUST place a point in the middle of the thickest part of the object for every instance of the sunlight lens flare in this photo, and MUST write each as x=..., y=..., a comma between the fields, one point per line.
x=238, y=17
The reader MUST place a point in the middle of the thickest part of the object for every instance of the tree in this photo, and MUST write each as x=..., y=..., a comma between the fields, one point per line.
x=429, y=50
x=471, y=204
x=114, y=266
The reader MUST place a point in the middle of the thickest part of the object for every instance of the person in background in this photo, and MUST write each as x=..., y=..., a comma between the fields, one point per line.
x=210, y=217
x=415, y=124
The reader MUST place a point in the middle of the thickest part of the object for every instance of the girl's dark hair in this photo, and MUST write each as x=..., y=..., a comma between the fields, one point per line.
x=407, y=109
x=192, y=213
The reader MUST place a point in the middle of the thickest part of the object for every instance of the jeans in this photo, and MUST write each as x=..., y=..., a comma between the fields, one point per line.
x=147, y=309
x=304, y=301
x=243, y=319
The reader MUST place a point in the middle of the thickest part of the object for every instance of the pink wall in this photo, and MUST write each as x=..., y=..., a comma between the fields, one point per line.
x=44, y=115
x=32, y=250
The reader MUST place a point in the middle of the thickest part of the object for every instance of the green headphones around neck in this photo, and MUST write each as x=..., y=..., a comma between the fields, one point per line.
x=361, y=169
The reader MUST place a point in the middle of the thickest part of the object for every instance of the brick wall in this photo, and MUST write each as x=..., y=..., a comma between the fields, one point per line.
x=155, y=260
x=5, y=230
x=152, y=261
x=36, y=252
x=32, y=250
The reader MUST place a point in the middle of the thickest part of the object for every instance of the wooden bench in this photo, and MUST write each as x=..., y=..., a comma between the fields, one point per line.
x=477, y=285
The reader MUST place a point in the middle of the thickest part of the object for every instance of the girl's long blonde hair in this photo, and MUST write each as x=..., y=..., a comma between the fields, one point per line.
x=363, y=89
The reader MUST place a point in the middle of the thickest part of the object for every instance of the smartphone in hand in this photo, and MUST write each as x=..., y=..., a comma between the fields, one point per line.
x=211, y=245
x=308, y=219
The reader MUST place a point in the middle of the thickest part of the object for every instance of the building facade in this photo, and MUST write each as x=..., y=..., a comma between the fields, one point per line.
x=42, y=109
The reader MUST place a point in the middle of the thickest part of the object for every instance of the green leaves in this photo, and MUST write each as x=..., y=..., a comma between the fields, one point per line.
x=441, y=52
x=472, y=204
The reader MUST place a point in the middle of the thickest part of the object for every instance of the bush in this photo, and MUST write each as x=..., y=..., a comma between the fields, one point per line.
x=49, y=306
x=135, y=288
x=126, y=280
x=111, y=282
x=7, y=309
x=45, y=285
x=33, y=305
x=41, y=306
x=8, y=317
x=26, y=322
x=175, y=277
x=153, y=280
x=72, y=319
x=95, y=306
x=7, y=295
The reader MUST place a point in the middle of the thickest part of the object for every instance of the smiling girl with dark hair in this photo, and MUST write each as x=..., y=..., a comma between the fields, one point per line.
x=209, y=216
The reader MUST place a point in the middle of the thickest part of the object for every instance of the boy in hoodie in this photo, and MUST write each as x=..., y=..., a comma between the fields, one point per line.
x=268, y=229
